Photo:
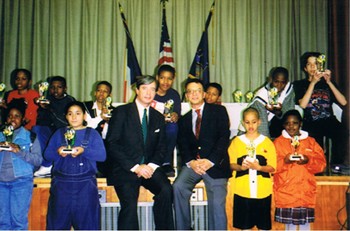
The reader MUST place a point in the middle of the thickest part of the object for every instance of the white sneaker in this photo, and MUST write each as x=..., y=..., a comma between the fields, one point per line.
x=43, y=171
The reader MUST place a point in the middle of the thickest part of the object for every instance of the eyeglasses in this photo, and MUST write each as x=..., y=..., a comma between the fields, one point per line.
x=196, y=91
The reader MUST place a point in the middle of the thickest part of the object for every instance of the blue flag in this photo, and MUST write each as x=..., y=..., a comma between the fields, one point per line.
x=133, y=67
x=200, y=64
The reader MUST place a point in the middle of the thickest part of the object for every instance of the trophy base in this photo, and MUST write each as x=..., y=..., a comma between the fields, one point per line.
x=108, y=115
x=68, y=151
x=296, y=157
x=5, y=148
x=46, y=101
x=250, y=159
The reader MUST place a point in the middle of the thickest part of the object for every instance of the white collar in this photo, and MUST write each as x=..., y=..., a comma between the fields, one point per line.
x=303, y=135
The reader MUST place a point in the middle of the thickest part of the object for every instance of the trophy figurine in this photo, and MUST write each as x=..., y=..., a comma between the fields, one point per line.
x=108, y=103
x=168, y=109
x=43, y=87
x=295, y=144
x=70, y=139
x=273, y=97
x=249, y=97
x=8, y=133
x=2, y=89
x=321, y=61
x=237, y=96
x=250, y=152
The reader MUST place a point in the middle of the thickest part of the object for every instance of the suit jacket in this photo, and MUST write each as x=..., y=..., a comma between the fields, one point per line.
x=125, y=143
x=213, y=142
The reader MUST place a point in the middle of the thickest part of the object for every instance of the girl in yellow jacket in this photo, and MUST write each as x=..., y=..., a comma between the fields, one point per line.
x=299, y=157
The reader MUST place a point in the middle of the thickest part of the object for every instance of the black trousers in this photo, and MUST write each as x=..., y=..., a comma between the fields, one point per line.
x=128, y=193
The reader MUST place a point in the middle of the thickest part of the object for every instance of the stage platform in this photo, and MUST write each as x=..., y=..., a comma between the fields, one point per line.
x=330, y=207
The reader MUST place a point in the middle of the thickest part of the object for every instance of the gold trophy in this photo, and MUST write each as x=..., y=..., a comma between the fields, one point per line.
x=2, y=90
x=249, y=96
x=168, y=109
x=251, y=152
x=43, y=87
x=321, y=61
x=8, y=133
x=70, y=140
x=273, y=97
x=295, y=144
x=237, y=96
x=108, y=103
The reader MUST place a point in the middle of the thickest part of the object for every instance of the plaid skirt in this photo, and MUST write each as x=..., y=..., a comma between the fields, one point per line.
x=295, y=216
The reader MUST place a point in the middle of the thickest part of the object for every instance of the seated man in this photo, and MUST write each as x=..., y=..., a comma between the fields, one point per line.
x=203, y=142
x=136, y=145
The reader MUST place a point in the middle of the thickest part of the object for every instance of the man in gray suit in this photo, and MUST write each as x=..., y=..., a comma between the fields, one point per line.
x=136, y=146
x=203, y=140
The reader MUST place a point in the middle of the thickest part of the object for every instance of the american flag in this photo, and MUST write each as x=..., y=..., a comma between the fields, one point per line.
x=165, y=50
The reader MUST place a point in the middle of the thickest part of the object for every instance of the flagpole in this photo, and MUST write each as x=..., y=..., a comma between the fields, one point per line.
x=125, y=81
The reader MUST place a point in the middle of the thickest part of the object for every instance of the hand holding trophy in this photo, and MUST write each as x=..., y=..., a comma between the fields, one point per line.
x=70, y=140
x=8, y=133
x=108, y=103
x=273, y=98
x=295, y=144
x=2, y=90
x=43, y=87
x=168, y=109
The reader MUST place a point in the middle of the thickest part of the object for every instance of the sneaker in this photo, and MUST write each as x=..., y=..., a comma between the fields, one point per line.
x=169, y=171
x=43, y=171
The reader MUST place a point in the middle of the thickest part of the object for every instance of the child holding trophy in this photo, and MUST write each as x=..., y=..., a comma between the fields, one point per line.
x=299, y=157
x=22, y=84
x=19, y=153
x=74, y=151
x=253, y=159
x=170, y=98
x=315, y=94
x=50, y=115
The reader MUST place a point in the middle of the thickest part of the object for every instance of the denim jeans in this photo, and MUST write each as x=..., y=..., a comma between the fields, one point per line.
x=15, y=198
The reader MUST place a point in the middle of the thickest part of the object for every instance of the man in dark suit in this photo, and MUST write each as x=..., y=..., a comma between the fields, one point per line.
x=136, y=146
x=203, y=141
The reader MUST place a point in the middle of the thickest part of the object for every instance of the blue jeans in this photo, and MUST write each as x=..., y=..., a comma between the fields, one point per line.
x=15, y=198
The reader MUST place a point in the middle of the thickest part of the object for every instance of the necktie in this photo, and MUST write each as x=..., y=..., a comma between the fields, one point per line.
x=144, y=125
x=198, y=123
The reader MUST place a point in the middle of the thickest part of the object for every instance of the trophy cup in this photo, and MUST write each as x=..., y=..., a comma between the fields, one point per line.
x=108, y=102
x=2, y=89
x=273, y=97
x=250, y=152
x=295, y=144
x=70, y=139
x=8, y=133
x=237, y=96
x=249, y=96
x=43, y=87
x=168, y=109
x=320, y=62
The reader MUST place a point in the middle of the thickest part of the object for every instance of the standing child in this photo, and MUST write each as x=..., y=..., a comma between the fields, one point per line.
x=172, y=111
x=51, y=117
x=16, y=169
x=74, y=200
x=294, y=180
x=23, y=81
x=253, y=158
